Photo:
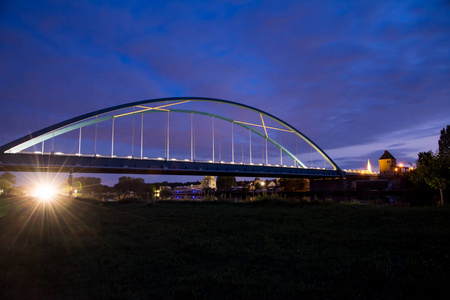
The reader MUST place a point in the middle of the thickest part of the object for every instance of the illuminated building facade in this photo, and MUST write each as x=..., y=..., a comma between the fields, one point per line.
x=387, y=163
x=209, y=182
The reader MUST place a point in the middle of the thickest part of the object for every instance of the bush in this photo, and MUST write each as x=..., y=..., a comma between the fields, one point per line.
x=127, y=200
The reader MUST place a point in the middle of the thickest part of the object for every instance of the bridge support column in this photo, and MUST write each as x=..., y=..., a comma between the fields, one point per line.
x=250, y=143
x=267, y=155
x=232, y=143
x=112, y=139
x=142, y=133
x=79, y=144
x=168, y=136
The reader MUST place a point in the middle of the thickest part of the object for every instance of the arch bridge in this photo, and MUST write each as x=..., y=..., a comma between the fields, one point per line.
x=182, y=135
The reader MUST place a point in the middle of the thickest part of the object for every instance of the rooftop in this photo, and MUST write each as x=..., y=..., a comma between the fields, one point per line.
x=387, y=155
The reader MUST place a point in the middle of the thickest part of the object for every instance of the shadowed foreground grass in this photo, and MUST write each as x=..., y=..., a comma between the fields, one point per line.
x=73, y=249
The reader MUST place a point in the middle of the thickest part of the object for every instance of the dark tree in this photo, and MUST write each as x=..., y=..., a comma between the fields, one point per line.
x=5, y=185
x=225, y=182
x=6, y=181
x=434, y=168
x=294, y=184
x=258, y=185
x=444, y=142
x=8, y=177
x=128, y=185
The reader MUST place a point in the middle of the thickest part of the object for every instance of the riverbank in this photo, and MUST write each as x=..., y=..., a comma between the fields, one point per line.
x=223, y=250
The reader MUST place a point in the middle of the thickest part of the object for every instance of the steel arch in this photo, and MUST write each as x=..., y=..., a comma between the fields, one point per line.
x=83, y=120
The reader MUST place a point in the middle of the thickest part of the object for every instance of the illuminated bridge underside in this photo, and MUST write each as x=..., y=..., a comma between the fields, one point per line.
x=60, y=163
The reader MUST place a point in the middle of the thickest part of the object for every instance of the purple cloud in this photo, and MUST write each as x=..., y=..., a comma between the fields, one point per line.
x=347, y=74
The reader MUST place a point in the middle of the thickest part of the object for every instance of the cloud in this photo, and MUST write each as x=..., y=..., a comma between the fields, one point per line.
x=349, y=75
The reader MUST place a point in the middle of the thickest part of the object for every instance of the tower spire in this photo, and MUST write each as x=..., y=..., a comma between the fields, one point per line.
x=369, y=167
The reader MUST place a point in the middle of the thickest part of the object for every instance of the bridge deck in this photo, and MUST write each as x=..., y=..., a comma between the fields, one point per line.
x=20, y=162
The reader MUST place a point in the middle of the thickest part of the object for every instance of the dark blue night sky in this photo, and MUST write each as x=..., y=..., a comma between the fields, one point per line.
x=357, y=77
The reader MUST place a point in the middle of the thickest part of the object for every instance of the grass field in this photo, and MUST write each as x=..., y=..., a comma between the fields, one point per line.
x=214, y=250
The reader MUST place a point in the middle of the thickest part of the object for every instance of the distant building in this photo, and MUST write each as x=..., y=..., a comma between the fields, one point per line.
x=387, y=163
x=187, y=193
x=272, y=185
x=209, y=182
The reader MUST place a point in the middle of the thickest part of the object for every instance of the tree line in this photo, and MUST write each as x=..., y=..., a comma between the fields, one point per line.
x=431, y=169
x=126, y=186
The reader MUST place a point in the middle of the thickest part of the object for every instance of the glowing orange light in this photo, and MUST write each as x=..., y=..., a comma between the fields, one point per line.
x=45, y=192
